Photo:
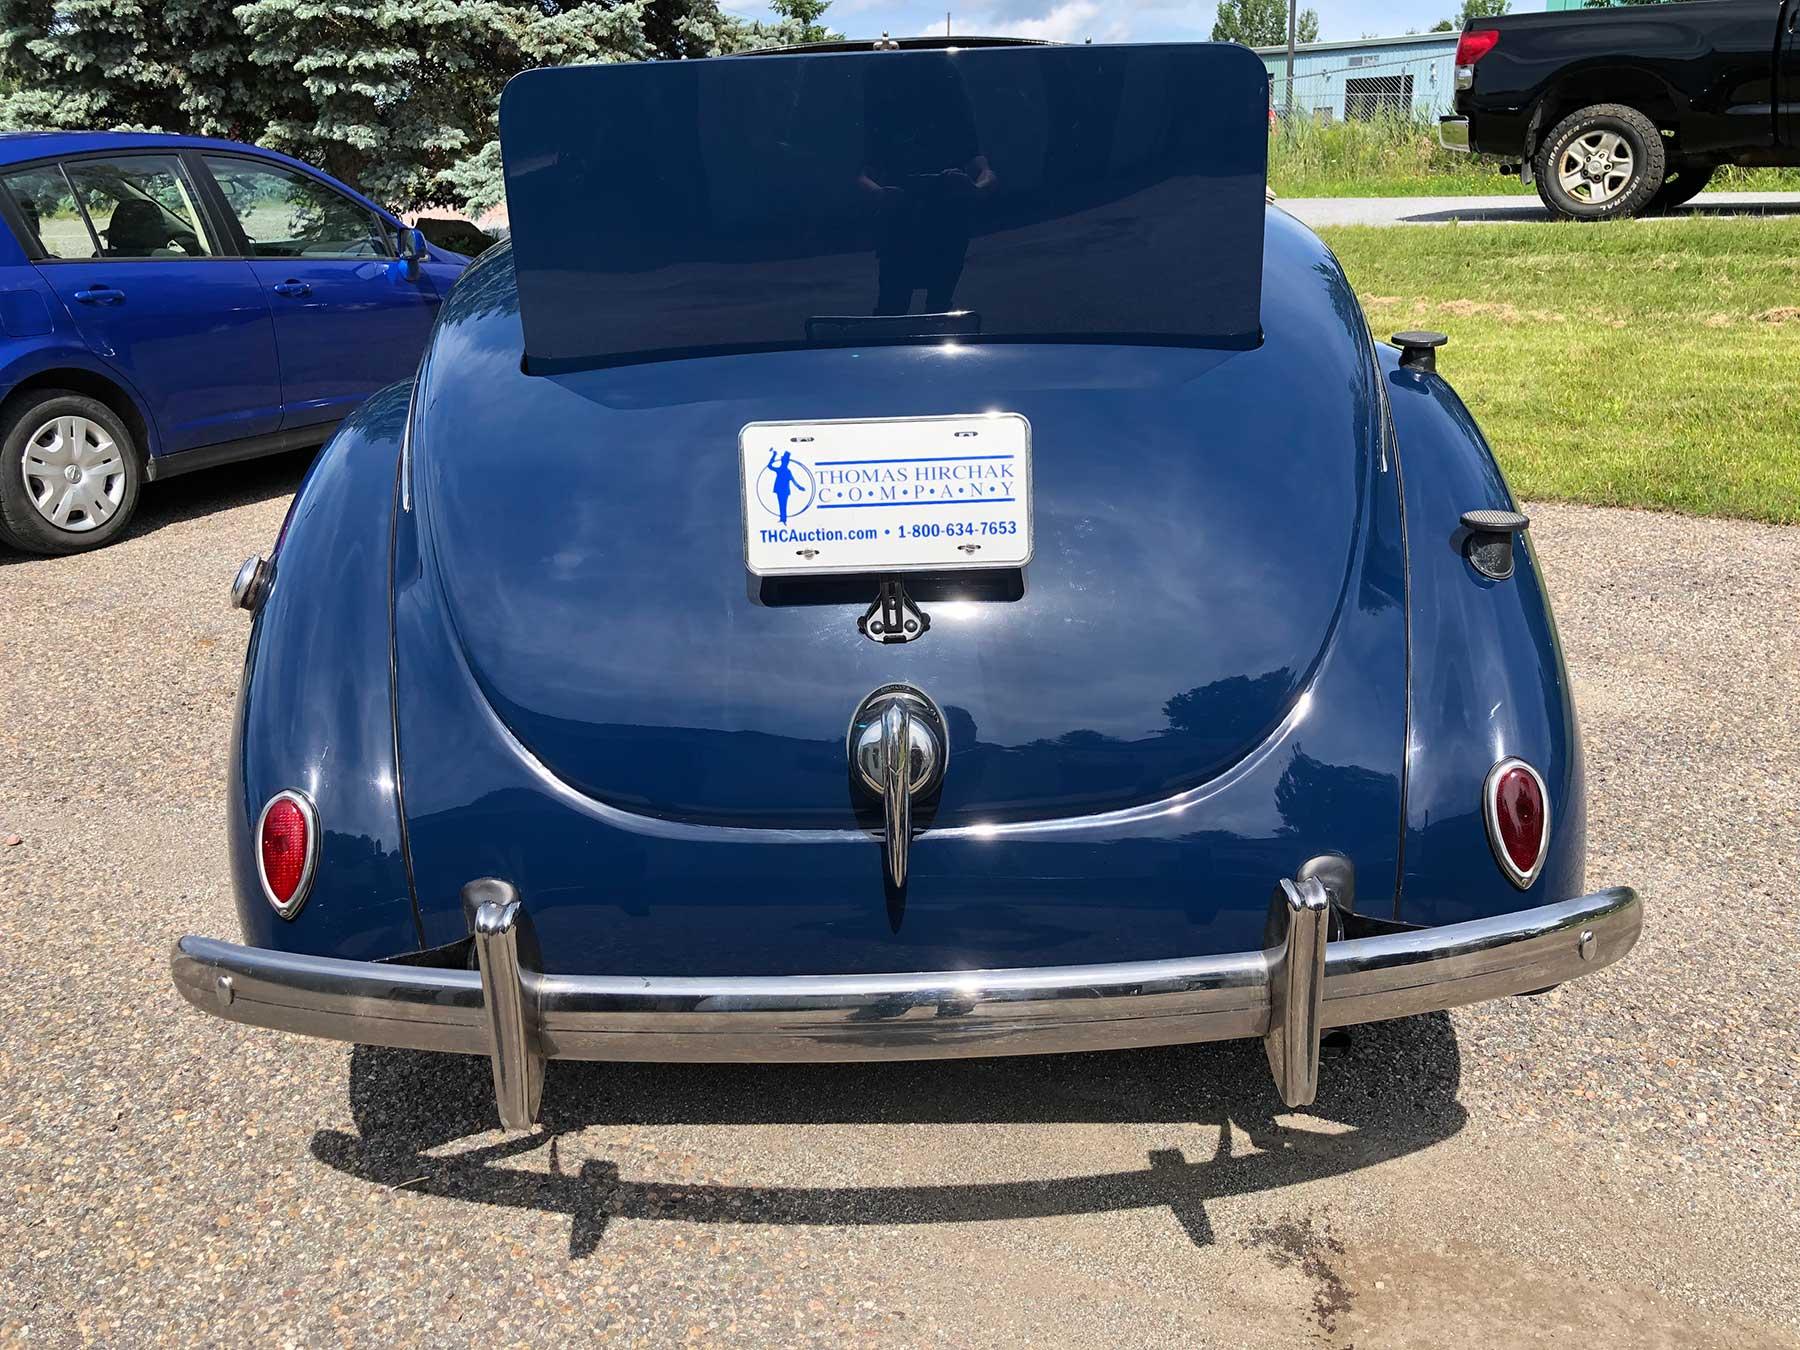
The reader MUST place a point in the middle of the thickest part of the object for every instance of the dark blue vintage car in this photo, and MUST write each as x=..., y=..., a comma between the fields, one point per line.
x=906, y=555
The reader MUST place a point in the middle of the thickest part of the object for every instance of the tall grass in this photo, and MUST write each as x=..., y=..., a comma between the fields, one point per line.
x=1391, y=156
x=1378, y=157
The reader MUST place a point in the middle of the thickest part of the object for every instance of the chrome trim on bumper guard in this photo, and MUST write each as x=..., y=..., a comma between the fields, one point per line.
x=1287, y=995
x=1453, y=133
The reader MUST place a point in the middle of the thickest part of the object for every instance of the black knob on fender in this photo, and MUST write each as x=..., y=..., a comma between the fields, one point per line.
x=1418, y=351
x=1490, y=543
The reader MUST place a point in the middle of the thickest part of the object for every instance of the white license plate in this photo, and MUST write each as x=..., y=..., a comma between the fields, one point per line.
x=892, y=494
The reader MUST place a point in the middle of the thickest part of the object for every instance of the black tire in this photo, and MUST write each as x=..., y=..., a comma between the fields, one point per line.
x=1630, y=198
x=1681, y=183
x=111, y=480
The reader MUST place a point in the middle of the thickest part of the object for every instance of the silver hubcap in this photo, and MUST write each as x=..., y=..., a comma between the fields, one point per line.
x=74, y=474
x=1596, y=167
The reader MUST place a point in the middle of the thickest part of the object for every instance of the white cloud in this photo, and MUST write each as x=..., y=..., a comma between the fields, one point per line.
x=1071, y=21
x=1075, y=20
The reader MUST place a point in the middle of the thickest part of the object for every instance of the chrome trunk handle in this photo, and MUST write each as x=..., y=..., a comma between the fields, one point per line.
x=898, y=747
x=896, y=785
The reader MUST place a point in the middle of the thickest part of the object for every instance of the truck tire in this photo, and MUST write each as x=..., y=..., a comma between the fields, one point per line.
x=1602, y=162
x=1683, y=180
x=70, y=472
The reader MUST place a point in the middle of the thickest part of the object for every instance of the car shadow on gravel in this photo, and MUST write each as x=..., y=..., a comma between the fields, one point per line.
x=191, y=496
x=203, y=493
x=1390, y=1092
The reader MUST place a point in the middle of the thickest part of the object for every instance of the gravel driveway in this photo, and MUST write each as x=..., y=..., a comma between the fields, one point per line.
x=1615, y=1164
x=1321, y=211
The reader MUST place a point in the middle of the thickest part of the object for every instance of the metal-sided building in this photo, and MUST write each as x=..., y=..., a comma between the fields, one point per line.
x=1386, y=76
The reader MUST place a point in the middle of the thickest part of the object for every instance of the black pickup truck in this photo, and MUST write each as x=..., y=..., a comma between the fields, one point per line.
x=1617, y=111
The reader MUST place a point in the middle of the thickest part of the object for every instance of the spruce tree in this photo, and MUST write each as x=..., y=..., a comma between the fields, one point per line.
x=399, y=97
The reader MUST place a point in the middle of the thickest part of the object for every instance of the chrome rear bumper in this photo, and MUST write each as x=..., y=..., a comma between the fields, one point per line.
x=1287, y=995
x=1453, y=133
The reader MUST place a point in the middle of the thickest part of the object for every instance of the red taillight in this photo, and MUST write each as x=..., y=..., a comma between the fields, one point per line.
x=1518, y=819
x=287, y=840
x=1475, y=44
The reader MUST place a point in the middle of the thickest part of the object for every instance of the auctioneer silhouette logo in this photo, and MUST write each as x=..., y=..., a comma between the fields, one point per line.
x=784, y=488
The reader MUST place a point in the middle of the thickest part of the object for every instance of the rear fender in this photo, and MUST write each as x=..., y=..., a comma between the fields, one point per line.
x=50, y=360
x=315, y=710
x=1487, y=679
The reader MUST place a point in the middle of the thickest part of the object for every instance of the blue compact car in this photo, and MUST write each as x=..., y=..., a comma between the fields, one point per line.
x=906, y=556
x=169, y=303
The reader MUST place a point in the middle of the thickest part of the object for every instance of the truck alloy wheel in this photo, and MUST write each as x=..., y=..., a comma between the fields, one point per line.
x=1596, y=167
x=1600, y=162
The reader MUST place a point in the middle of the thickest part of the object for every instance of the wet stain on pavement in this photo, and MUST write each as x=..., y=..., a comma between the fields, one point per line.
x=1317, y=1252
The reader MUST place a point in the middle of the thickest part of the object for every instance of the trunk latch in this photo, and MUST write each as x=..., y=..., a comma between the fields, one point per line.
x=898, y=747
x=893, y=617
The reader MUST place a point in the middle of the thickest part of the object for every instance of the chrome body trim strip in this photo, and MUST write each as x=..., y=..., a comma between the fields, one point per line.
x=936, y=1014
x=660, y=827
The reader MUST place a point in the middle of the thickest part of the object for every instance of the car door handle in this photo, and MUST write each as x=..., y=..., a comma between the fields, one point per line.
x=100, y=295
x=292, y=287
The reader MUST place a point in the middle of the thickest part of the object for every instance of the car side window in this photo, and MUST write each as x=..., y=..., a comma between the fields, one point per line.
x=140, y=206
x=47, y=203
x=289, y=215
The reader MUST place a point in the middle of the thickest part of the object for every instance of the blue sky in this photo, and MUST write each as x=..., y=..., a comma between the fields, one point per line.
x=1111, y=20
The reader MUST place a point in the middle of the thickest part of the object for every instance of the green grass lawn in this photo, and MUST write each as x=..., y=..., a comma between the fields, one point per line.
x=1401, y=158
x=1637, y=363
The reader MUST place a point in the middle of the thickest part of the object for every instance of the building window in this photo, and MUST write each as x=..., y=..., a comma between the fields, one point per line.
x=1378, y=96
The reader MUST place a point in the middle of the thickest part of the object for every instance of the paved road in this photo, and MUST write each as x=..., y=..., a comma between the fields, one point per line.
x=1317, y=211
x=1616, y=1164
